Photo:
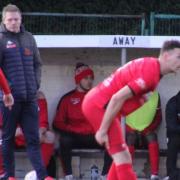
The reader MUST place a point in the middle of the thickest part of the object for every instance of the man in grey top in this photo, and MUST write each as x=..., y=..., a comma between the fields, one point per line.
x=21, y=64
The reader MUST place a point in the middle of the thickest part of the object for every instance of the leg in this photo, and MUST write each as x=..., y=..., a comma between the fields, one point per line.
x=46, y=152
x=153, y=148
x=172, y=152
x=131, y=139
x=88, y=141
x=52, y=166
x=1, y=156
x=47, y=147
x=107, y=163
x=120, y=153
x=66, y=143
x=29, y=124
x=118, y=149
x=10, y=118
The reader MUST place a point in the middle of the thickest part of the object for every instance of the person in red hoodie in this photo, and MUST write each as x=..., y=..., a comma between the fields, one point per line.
x=75, y=131
x=46, y=136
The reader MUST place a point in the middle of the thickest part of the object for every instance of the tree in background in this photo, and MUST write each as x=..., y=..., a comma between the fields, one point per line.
x=97, y=6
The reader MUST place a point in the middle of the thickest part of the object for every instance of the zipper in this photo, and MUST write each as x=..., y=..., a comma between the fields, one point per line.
x=21, y=52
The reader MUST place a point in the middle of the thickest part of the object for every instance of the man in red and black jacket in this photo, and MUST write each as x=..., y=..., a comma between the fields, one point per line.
x=70, y=123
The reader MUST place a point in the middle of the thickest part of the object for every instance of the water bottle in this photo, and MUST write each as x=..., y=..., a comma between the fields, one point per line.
x=94, y=172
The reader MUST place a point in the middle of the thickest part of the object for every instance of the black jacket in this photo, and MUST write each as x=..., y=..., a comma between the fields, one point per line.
x=172, y=119
x=20, y=62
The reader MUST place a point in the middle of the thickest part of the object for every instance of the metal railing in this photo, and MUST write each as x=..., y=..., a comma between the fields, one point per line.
x=100, y=24
x=164, y=24
x=84, y=24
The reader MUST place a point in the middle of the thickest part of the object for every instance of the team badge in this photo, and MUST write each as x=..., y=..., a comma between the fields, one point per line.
x=10, y=44
x=141, y=83
x=75, y=100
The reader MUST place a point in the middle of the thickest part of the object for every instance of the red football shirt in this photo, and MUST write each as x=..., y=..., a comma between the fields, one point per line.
x=141, y=75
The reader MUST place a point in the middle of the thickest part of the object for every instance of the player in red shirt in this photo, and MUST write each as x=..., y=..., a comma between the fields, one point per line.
x=118, y=94
x=45, y=135
x=7, y=97
x=75, y=131
x=8, y=101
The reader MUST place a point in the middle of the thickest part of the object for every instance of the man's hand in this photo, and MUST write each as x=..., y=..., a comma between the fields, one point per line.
x=102, y=138
x=8, y=100
x=42, y=134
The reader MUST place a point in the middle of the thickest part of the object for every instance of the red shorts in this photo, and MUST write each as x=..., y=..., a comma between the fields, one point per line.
x=94, y=114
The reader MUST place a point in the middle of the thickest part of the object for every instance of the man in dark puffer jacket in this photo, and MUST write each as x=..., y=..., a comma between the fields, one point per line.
x=21, y=64
x=173, y=135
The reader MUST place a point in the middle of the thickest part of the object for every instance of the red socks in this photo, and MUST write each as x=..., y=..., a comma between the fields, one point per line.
x=1, y=161
x=154, y=157
x=121, y=172
x=47, y=151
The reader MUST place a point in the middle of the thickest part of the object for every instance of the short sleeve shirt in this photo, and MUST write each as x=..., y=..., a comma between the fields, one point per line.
x=141, y=75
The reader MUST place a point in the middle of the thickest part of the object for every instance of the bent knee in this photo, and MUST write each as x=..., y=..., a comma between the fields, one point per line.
x=122, y=157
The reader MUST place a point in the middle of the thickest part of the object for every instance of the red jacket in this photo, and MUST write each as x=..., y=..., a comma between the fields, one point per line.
x=69, y=116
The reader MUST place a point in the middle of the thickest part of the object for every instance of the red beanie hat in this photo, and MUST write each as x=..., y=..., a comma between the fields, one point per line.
x=82, y=70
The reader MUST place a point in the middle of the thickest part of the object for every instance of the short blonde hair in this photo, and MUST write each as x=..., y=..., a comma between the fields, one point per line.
x=10, y=8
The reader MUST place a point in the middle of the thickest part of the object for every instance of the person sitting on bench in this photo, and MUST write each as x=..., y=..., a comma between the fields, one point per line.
x=70, y=123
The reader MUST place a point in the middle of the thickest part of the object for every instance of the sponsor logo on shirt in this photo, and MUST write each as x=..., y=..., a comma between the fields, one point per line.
x=141, y=83
x=75, y=100
x=10, y=44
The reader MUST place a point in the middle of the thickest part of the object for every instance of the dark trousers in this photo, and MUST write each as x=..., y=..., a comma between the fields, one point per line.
x=68, y=141
x=25, y=114
x=172, y=154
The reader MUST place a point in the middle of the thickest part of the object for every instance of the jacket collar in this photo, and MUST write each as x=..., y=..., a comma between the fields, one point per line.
x=4, y=30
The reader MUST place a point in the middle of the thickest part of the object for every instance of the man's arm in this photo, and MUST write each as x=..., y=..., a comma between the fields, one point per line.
x=37, y=63
x=112, y=110
x=60, y=120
